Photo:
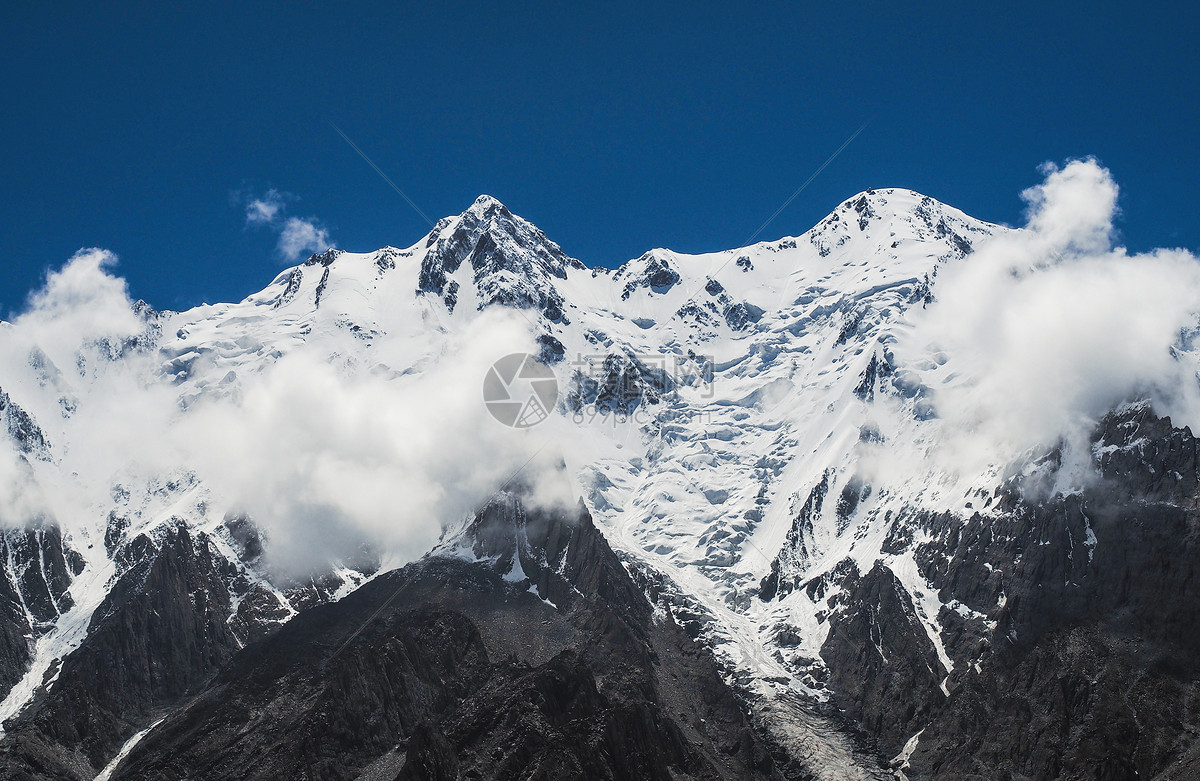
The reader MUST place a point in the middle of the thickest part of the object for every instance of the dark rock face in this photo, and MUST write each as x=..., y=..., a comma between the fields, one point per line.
x=878, y=368
x=795, y=554
x=865, y=213
x=291, y=286
x=160, y=633
x=36, y=569
x=540, y=659
x=572, y=730
x=551, y=350
x=618, y=384
x=884, y=669
x=41, y=568
x=16, y=634
x=1076, y=639
x=512, y=261
x=15, y=651
x=177, y=611
x=23, y=429
x=321, y=287
x=325, y=258
x=657, y=276
x=742, y=314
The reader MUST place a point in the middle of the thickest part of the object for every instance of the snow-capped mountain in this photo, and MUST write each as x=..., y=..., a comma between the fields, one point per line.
x=756, y=432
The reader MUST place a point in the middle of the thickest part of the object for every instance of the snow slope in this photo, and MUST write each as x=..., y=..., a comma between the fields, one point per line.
x=719, y=413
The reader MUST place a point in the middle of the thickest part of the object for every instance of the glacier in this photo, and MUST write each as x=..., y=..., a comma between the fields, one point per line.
x=749, y=428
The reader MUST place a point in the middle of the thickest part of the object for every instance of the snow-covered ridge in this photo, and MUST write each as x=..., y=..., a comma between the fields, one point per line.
x=712, y=479
x=703, y=484
x=845, y=459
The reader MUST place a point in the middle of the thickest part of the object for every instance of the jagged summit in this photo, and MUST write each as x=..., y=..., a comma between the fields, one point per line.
x=510, y=259
x=490, y=221
x=880, y=246
x=486, y=200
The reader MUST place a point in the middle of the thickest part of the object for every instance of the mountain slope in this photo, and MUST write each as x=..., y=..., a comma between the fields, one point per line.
x=746, y=431
x=456, y=665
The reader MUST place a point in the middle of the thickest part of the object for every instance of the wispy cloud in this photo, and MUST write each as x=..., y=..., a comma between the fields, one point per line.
x=297, y=236
x=265, y=210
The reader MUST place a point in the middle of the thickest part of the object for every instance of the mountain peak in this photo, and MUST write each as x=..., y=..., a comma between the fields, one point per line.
x=486, y=201
x=511, y=259
x=487, y=207
x=893, y=215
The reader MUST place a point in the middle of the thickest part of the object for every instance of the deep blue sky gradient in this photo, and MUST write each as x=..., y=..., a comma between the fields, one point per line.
x=614, y=127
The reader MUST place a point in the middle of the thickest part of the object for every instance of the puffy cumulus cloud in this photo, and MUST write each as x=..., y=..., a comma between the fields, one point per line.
x=1040, y=331
x=297, y=236
x=74, y=340
x=77, y=306
x=1073, y=209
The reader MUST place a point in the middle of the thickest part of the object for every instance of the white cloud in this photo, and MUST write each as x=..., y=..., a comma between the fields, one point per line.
x=265, y=210
x=21, y=499
x=79, y=305
x=1073, y=209
x=73, y=337
x=1041, y=331
x=324, y=456
x=297, y=236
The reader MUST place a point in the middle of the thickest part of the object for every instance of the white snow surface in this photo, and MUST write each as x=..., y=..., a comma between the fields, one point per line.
x=702, y=485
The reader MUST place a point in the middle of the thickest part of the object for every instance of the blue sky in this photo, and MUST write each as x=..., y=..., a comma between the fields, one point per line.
x=614, y=127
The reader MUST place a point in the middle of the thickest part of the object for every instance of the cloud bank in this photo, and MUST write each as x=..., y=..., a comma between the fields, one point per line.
x=1040, y=331
x=325, y=454
x=1030, y=340
x=325, y=458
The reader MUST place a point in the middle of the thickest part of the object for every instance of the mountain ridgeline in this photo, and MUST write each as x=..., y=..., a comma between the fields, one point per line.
x=735, y=591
